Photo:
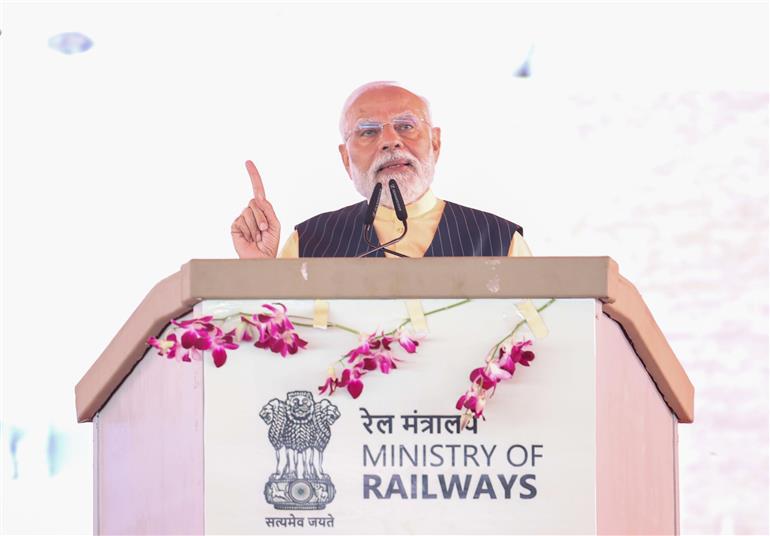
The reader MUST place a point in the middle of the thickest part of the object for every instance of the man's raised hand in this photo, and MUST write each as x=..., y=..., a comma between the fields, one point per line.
x=256, y=232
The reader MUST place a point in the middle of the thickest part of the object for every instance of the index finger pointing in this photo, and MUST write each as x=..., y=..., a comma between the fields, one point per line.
x=256, y=180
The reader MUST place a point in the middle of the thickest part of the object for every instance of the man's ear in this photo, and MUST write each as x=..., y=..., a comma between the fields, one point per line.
x=345, y=158
x=436, y=141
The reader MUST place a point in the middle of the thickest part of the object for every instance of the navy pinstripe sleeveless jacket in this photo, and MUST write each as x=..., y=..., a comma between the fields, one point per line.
x=461, y=232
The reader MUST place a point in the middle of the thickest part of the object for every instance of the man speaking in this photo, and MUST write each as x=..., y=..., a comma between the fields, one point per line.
x=388, y=140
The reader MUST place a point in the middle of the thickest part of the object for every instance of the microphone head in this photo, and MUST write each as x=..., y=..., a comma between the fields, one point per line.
x=374, y=202
x=398, y=201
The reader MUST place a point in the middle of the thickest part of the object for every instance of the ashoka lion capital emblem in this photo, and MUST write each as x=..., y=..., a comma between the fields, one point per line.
x=299, y=430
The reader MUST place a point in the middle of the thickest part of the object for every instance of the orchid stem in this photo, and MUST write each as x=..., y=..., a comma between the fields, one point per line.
x=330, y=324
x=391, y=332
x=434, y=311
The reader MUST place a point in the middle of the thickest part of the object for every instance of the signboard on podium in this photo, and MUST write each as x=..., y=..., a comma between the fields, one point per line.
x=281, y=458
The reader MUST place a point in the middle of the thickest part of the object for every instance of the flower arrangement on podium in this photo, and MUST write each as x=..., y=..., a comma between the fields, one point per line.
x=274, y=329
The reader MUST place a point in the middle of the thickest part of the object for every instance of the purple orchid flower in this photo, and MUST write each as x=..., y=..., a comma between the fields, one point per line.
x=285, y=343
x=167, y=347
x=407, y=342
x=276, y=321
x=473, y=401
x=387, y=361
x=330, y=384
x=249, y=329
x=351, y=379
x=480, y=377
x=219, y=346
x=367, y=343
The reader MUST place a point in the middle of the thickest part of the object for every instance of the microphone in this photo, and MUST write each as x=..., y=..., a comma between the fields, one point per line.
x=400, y=209
x=398, y=201
x=374, y=202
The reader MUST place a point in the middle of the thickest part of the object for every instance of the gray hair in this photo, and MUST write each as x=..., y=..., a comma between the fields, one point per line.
x=375, y=85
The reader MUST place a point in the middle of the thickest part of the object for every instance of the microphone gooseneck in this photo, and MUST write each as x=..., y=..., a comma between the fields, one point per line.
x=371, y=210
x=374, y=202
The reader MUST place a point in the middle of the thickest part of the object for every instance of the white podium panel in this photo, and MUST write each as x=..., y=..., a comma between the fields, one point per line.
x=393, y=460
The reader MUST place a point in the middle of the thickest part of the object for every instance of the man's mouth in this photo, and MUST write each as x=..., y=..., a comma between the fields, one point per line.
x=395, y=165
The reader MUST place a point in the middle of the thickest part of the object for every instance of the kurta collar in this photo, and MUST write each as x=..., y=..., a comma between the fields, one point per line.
x=415, y=210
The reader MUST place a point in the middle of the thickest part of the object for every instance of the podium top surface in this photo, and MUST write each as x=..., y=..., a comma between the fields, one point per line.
x=342, y=278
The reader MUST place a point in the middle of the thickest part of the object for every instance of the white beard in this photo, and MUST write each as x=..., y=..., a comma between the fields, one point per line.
x=412, y=184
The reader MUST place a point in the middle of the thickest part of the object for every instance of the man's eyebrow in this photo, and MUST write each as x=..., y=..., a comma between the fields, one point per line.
x=395, y=116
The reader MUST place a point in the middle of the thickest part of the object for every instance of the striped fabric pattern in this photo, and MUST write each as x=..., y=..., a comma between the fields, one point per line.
x=461, y=232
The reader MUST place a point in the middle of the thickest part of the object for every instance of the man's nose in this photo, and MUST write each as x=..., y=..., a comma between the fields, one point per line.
x=390, y=139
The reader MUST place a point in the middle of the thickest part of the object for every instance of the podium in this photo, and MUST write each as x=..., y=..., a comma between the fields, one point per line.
x=583, y=440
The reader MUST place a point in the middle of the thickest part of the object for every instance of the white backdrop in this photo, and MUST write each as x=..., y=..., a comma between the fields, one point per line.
x=641, y=134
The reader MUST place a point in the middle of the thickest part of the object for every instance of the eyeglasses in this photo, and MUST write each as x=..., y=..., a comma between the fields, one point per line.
x=367, y=131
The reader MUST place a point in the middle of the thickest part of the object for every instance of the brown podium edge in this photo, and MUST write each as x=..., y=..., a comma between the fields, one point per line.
x=458, y=277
